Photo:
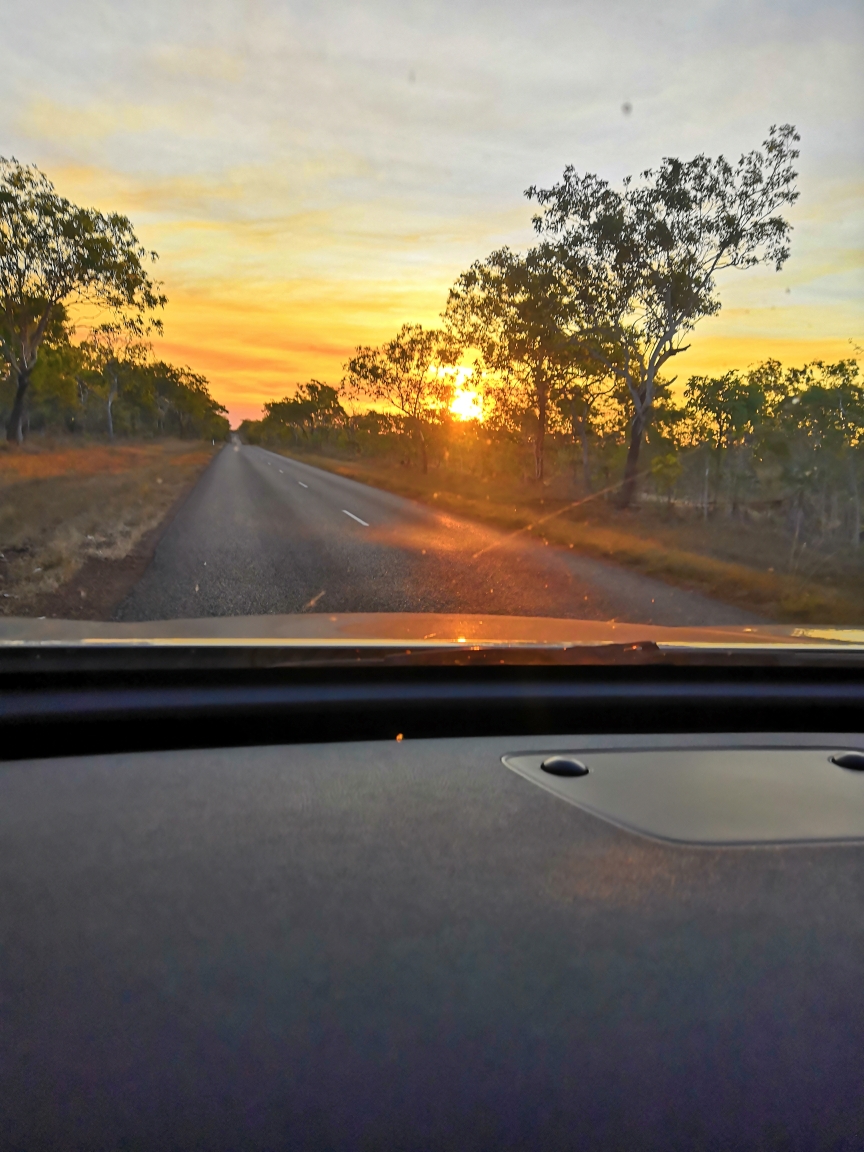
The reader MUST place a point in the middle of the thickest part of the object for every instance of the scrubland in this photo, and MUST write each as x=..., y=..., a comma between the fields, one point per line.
x=68, y=506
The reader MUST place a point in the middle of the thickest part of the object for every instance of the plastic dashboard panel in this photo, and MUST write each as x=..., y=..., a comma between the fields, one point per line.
x=407, y=945
x=690, y=793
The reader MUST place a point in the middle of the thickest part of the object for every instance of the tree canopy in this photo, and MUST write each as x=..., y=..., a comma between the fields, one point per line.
x=313, y=405
x=643, y=261
x=516, y=310
x=405, y=374
x=55, y=255
x=98, y=389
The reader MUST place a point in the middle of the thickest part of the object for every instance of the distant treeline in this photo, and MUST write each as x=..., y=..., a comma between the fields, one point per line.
x=95, y=389
x=782, y=443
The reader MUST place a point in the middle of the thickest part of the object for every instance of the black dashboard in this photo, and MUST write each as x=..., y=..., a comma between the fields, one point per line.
x=409, y=944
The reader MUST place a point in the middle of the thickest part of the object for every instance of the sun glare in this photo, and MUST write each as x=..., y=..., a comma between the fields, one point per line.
x=467, y=405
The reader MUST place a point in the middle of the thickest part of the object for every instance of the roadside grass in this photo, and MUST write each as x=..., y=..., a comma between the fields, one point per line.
x=62, y=504
x=743, y=563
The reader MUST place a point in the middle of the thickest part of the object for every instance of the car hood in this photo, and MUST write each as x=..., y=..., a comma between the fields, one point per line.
x=417, y=629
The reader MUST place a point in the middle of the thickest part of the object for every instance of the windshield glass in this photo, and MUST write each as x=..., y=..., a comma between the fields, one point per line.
x=493, y=311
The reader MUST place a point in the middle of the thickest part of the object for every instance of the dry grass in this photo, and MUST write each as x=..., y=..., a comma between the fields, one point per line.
x=742, y=563
x=61, y=504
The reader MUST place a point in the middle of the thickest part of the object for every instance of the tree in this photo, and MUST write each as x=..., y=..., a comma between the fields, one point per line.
x=515, y=310
x=313, y=406
x=55, y=255
x=54, y=387
x=724, y=407
x=112, y=353
x=666, y=472
x=823, y=416
x=404, y=373
x=186, y=395
x=578, y=395
x=725, y=410
x=643, y=261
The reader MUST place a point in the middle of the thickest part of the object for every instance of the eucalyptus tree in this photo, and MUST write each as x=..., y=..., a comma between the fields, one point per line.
x=822, y=422
x=644, y=260
x=584, y=395
x=725, y=412
x=314, y=407
x=112, y=353
x=515, y=310
x=56, y=256
x=405, y=373
x=185, y=394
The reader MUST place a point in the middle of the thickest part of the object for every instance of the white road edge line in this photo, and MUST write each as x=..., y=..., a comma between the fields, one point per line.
x=302, y=485
x=353, y=517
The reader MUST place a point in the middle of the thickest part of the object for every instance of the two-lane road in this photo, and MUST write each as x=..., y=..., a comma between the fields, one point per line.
x=263, y=534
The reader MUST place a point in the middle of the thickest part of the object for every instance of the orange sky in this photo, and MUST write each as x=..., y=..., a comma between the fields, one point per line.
x=313, y=176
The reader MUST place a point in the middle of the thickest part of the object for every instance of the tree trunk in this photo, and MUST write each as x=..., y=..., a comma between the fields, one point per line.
x=424, y=461
x=113, y=388
x=586, y=463
x=631, y=468
x=580, y=433
x=799, y=515
x=856, y=506
x=540, y=436
x=14, y=429
x=733, y=483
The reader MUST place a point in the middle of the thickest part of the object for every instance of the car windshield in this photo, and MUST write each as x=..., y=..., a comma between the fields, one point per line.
x=482, y=314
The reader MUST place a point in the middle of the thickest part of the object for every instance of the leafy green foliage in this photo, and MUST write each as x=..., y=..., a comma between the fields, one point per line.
x=516, y=311
x=643, y=262
x=724, y=409
x=56, y=257
x=314, y=406
x=405, y=373
x=73, y=385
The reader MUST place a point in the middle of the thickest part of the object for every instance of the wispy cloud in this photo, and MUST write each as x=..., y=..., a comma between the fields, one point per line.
x=313, y=175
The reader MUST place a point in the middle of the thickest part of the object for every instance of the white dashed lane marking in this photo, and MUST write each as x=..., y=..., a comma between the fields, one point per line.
x=353, y=517
x=302, y=485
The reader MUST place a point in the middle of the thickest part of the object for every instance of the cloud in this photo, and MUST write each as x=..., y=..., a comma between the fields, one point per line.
x=314, y=175
x=46, y=119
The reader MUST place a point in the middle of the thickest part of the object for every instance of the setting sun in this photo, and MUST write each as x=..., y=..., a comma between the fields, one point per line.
x=467, y=405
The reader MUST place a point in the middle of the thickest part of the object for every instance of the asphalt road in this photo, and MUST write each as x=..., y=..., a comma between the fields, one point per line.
x=263, y=534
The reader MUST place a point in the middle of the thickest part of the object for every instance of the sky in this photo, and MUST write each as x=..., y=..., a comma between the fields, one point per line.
x=313, y=175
